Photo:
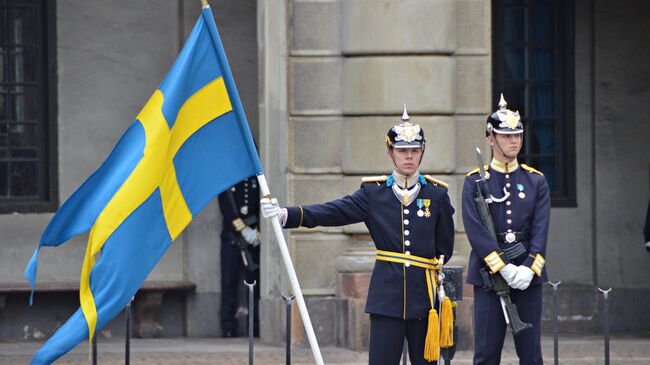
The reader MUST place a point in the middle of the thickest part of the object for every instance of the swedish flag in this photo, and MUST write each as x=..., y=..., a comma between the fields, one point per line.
x=189, y=143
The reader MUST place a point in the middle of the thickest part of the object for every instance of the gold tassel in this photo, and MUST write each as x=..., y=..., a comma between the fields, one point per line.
x=432, y=342
x=447, y=324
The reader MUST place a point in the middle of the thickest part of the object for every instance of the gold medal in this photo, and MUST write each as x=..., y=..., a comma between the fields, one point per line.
x=427, y=203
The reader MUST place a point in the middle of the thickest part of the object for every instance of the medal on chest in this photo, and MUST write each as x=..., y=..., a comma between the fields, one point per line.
x=520, y=188
x=424, y=203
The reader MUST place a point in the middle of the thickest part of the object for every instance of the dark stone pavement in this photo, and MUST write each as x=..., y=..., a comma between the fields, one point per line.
x=573, y=350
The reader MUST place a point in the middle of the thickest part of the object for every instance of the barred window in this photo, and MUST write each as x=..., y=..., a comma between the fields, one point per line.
x=533, y=66
x=27, y=125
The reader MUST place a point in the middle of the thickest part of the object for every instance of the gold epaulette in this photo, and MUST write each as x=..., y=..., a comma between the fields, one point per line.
x=528, y=168
x=370, y=179
x=486, y=167
x=436, y=181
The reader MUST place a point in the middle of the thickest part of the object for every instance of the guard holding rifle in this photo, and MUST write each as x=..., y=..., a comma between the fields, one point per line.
x=240, y=241
x=506, y=209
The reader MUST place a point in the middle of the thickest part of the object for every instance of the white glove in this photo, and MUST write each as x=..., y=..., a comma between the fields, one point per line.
x=269, y=207
x=509, y=272
x=523, y=278
x=251, y=236
x=441, y=294
x=647, y=246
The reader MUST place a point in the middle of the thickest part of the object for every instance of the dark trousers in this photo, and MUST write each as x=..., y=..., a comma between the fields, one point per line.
x=232, y=281
x=490, y=326
x=387, y=340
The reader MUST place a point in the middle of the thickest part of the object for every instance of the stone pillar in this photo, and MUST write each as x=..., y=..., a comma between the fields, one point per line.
x=354, y=268
x=273, y=66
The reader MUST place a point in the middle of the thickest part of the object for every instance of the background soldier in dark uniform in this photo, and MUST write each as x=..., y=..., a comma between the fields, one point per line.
x=520, y=210
x=240, y=250
x=409, y=217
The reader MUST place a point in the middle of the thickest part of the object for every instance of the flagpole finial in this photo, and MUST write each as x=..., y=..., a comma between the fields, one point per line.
x=204, y=4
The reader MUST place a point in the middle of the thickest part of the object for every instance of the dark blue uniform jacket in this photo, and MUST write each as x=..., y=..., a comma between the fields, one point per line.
x=530, y=213
x=395, y=290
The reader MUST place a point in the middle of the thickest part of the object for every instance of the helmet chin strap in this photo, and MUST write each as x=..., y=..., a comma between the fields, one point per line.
x=392, y=157
x=496, y=142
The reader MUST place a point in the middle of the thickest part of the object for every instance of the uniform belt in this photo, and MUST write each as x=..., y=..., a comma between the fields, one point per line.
x=431, y=265
x=423, y=262
x=512, y=237
x=514, y=244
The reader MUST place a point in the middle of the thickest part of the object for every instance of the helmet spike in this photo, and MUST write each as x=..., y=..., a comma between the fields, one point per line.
x=405, y=115
x=503, y=105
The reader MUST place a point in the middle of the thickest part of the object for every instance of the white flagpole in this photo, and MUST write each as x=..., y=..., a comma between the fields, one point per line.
x=293, y=279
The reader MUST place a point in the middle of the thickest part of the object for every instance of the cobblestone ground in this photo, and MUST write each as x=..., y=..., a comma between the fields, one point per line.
x=573, y=351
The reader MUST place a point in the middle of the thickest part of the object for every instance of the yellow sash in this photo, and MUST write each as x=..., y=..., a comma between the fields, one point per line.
x=434, y=340
x=431, y=265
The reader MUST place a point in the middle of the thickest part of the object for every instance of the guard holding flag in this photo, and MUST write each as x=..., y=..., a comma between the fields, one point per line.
x=519, y=204
x=409, y=217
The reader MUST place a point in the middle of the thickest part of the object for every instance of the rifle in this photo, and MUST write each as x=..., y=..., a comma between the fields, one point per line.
x=239, y=224
x=491, y=281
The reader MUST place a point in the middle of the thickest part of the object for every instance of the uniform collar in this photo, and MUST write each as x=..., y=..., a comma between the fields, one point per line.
x=406, y=196
x=504, y=167
x=404, y=182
